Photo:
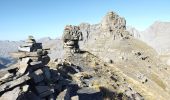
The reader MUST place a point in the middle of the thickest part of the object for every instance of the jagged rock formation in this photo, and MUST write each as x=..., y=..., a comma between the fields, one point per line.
x=112, y=26
x=112, y=22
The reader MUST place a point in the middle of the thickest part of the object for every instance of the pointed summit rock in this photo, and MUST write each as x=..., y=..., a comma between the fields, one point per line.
x=112, y=22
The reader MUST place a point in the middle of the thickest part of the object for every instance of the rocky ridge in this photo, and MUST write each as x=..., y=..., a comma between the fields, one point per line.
x=133, y=57
x=77, y=76
x=109, y=63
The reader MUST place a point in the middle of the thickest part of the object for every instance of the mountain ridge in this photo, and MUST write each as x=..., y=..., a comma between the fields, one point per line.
x=88, y=54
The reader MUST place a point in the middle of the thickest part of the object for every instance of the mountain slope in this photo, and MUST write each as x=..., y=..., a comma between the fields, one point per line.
x=134, y=58
x=157, y=36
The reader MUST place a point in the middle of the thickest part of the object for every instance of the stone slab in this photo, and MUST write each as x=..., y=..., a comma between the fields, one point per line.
x=23, y=65
x=24, y=49
x=44, y=91
x=11, y=84
x=37, y=76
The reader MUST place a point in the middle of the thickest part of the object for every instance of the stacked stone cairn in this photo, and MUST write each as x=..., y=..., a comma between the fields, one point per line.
x=32, y=78
x=72, y=35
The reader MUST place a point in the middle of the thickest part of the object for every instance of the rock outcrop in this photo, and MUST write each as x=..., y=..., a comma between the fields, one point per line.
x=112, y=22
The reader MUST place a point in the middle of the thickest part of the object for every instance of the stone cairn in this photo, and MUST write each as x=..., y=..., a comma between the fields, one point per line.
x=71, y=36
x=31, y=76
x=32, y=79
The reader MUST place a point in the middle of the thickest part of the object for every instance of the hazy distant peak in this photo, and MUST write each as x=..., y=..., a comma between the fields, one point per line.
x=44, y=39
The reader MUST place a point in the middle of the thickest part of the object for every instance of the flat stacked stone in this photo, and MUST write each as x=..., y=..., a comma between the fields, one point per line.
x=30, y=45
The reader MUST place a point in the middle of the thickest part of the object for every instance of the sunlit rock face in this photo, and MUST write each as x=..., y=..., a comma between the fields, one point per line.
x=112, y=21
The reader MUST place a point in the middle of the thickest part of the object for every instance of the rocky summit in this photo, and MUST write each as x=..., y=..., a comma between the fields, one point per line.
x=91, y=62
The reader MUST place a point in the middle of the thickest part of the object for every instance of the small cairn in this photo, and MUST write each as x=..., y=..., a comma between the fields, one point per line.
x=71, y=36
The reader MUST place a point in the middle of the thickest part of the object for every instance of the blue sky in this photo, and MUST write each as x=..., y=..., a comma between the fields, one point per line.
x=47, y=18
